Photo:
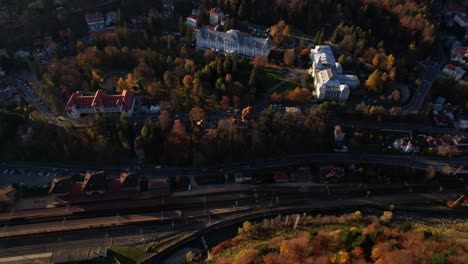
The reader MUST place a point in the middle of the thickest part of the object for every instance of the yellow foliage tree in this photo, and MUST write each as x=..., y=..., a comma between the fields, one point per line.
x=342, y=257
x=386, y=217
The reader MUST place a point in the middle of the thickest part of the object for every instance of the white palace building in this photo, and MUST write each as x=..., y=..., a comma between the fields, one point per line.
x=330, y=82
x=233, y=41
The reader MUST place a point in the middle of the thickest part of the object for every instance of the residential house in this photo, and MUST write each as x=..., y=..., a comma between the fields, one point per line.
x=159, y=186
x=168, y=8
x=247, y=114
x=459, y=140
x=130, y=181
x=453, y=71
x=281, y=176
x=216, y=16
x=331, y=173
x=233, y=42
x=239, y=177
x=94, y=183
x=293, y=109
x=7, y=197
x=61, y=186
x=111, y=18
x=330, y=82
x=462, y=123
x=23, y=54
x=461, y=19
x=339, y=135
x=191, y=21
x=100, y=102
x=95, y=21
x=4, y=53
x=460, y=55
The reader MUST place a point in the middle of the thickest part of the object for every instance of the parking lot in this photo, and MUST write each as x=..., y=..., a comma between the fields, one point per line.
x=30, y=96
x=29, y=177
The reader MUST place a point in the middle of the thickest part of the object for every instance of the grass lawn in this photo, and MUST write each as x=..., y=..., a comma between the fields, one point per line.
x=272, y=77
x=131, y=255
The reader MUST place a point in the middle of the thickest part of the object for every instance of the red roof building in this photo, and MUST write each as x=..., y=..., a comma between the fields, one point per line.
x=101, y=102
x=281, y=176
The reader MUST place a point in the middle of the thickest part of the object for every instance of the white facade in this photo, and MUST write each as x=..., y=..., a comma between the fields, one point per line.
x=453, y=71
x=330, y=82
x=111, y=18
x=95, y=21
x=216, y=16
x=100, y=103
x=462, y=20
x=232, y=42
x=191, y=21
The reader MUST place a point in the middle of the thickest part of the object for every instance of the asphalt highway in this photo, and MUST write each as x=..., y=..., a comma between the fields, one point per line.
x=416, y=162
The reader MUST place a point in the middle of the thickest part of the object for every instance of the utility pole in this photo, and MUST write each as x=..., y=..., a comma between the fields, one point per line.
x=204, y=201
x=162, y=207
x=11, y=214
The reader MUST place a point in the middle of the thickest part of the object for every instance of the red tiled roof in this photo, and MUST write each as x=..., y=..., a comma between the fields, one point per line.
x=95, y=34
x=281, y=176
x=94, y=16
x=113, y=186
x=463, y=17
x=462, y=51
x=215, y=11
x=458, y=8
x=76, y=188
x=5, y=96
x=452, y=67
x=158, y=184
x=100, y=99
x=6, y=194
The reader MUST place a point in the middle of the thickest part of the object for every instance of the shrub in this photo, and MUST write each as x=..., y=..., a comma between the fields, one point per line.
x=263, y=249
x=189, y=256
x=438, y=258
x=427, y=234
x=222, y=246
x=406, y=226
x=386, y=217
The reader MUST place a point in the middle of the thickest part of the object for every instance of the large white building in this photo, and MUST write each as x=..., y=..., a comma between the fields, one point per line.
x=96, y=21
x=100, y=103
x=216, y=16
x=233, y=41
x=330, y=82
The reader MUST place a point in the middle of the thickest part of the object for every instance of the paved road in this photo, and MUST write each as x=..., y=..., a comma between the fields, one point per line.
x=417, y=162
x=399, y=126
x=427, y=78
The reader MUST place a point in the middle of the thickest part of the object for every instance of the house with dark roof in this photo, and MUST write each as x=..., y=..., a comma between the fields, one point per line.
x=159, y=186
x=94, y=182
x=100, y=102
x=61, y=186
x=7, y=197
x=130, y=181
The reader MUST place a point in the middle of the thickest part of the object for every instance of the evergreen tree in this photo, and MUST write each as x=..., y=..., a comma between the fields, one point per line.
x=234, y=63
x=227, y=65
x=334, y=37
x=219, y=66
x=253, y=78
